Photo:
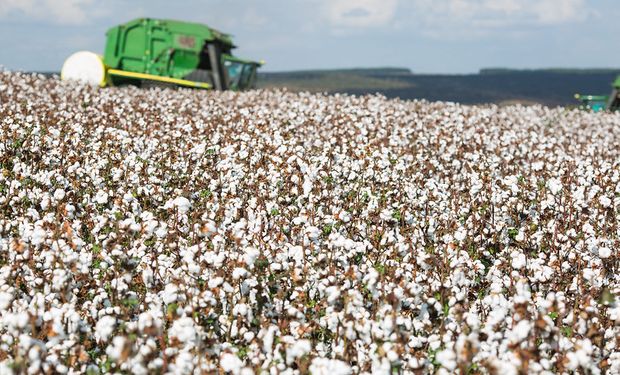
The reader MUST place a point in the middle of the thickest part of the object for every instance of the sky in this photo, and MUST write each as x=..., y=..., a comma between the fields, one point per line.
x=427, y=36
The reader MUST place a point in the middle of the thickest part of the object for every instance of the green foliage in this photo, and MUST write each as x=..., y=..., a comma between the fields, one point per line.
x=396, y=215
x=567, y=331
x=512, y=233
x=205, y=194
x=242, y=352
x=380, y=268
x=130, y=302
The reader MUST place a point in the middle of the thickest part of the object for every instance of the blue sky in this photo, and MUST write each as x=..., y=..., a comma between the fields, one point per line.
x=427, y=36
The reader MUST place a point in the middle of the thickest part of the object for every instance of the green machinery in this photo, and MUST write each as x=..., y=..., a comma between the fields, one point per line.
x=149, y=52
x=602, y=102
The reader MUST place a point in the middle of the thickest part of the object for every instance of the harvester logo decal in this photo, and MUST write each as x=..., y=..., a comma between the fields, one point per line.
x=187, y=41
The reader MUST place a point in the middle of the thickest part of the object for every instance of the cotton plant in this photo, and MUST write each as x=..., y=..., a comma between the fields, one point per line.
x=184, y=231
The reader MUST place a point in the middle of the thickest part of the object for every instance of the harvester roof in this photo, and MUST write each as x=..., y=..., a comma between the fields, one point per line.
x=199, y=30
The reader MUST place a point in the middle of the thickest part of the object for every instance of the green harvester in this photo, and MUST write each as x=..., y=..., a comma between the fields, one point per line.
x=598, y=103
x=155, y=52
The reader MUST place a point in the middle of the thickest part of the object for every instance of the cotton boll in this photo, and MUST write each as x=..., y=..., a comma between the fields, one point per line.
x=38, y=236
x=604, y=252
x=231, y=363
x=324, y=366
x=518, y=260
x=344, y=216
x=182, y=204
x=215, y=282
x=604, y=201
x=184, y=330
x=101, y=197
x=59, y=194
x=461, y=234
x=250, y=255
x=447, y=359
x=170, y=293
x=115, y=350
x=554, y=185
x=5, y=300
x=297, y=350
x=105, y=327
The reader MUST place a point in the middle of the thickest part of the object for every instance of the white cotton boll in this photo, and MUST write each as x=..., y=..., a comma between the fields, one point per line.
x=240, y=309
x=38, y=236
x=184, y=330
x=45, y=202
x=182, y=204
x=326, y=366
x=520, y=236
x=344, y=216
x=215, y=282
x=447, y=359
x=5, y=300
x=296, y=253
x=239, y=273
x=209, y=228
x=268, y=339
x=313, y=233
x=104, y=327
x=250, y=256
x=538, y=166
x=521, y=331
x=70, y=210
x=604, y=201
x=162, y=231
x=183, y=364
x=231, y=363
x=147, y=277
x=307, y=186
x=59, y=194
x=101, y=197
x=604, y=252
x=199, y=149
x=115, y=350
x=128, y=198
x=170, y=293
x=146, y=320
x=554, y=185
x=333, y=293
x=298, y=350
x=460, y=234
x=518, y=260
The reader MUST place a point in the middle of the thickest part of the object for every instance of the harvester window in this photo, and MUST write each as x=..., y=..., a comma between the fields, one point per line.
x=234, y=70
x=246, y=76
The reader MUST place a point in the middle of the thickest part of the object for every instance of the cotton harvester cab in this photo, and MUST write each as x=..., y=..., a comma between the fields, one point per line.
x=147, y=52
x=602, y=102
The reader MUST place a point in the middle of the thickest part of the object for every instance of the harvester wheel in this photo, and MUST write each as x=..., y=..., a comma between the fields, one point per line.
x=86, y=67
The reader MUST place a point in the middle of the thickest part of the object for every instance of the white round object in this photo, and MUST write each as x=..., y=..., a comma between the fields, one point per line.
x=86, y=67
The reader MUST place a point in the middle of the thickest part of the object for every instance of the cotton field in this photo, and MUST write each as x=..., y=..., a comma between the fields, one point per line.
x=179, y=231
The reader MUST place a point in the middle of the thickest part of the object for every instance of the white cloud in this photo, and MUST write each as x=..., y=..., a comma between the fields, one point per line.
x=453, y=18
x=66, y=12
x=360, y=13
x=475, y=17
